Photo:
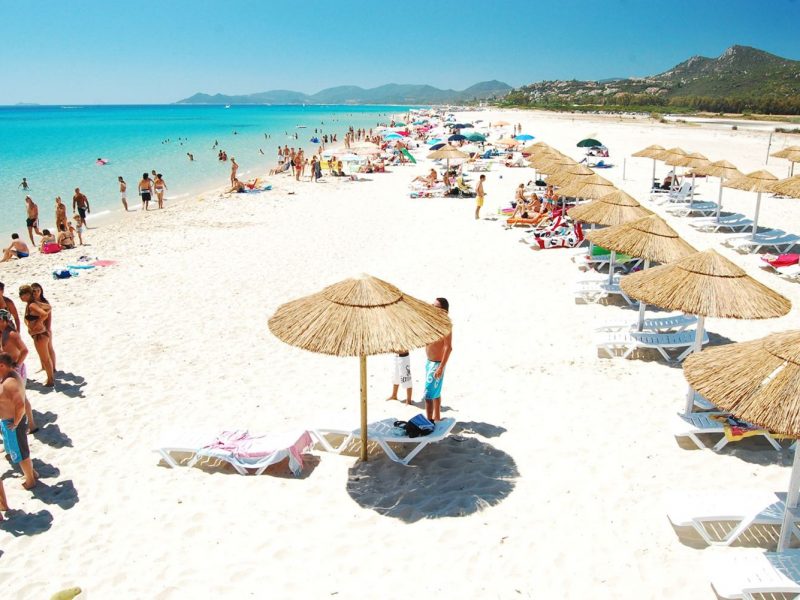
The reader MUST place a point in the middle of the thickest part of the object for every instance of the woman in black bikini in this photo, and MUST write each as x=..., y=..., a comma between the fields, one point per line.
x=38, y=296
x=36, y=314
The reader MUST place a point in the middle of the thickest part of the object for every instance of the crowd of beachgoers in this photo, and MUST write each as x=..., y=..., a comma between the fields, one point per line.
x=467, y=161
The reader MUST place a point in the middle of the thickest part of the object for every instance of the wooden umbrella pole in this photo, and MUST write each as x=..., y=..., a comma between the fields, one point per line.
x=363, y=363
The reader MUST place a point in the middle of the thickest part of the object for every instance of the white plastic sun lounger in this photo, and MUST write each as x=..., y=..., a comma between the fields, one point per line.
x=700, y=208
x=734, y=222
x=385, y=433
x=674, y=323
x=594, y=290
x=196, y=443
x=611, y=342
x=781, y=243
x=680, y=195
x=720, y=518
x=695, y=424
x=750, y=574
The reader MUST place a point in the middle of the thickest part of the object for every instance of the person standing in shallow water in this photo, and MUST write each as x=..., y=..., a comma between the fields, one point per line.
x=123, y=192
x=438, y=354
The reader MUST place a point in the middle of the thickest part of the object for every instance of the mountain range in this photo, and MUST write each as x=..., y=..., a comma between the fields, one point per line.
x=741, y=75
x=392, y=93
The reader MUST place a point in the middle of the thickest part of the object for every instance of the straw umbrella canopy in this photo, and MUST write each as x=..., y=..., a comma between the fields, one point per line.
x=790, y=153
x=786, y=151
x=673, y=158
x=447, y=152
x=757, y=181
x=764, y=393
x=693, y=160
x=555, y=164
x=705, y=284
x=591, y=187
x=611, y=209
x=507, y=142
x=649, y=238
x=359, y=317
x=651, y=151
x=789, y=186
x=534, y=148
x=722, y=169
x=569, y=174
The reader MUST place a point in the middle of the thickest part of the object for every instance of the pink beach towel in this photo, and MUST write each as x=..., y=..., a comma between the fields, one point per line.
x=244, y=446
x=104, y=263
x=782, y=260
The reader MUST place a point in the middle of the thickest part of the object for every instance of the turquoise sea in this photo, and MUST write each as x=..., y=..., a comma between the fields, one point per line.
x=56, y=148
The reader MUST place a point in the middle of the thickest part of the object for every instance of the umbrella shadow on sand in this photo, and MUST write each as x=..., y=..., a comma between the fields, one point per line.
x=453, y=478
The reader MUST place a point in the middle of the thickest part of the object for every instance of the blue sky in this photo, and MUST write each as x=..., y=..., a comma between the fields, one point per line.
x=85, y=51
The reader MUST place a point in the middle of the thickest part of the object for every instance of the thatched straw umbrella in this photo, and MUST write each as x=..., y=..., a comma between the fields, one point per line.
x=591, y=187
x=788, y=187
x=555, y=163
x=611, y=209
x=757, y=181
x=693, y=160
x=649, y=238
x=651, y=151
x=673, y=157
x=790, y=153
x=359, y=317
x=757, y=381
x=722, y=169
x=569, y=174
x=705, y=284
x=447, y=152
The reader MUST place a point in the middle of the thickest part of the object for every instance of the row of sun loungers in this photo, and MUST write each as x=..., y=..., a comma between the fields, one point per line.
x=254, y=453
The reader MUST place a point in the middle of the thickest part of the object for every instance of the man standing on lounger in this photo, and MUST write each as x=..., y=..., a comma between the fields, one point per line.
x=438, y=354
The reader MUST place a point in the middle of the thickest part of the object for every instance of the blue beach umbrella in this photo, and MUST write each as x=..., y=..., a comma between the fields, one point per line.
x=476, y=137
x=456, y=138
x=437, y=146
x=523, y=137
x=433, y=141
x=393, y=136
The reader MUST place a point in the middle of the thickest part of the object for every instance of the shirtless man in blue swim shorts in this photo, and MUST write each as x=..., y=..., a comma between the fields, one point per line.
x=13, y=422
x=438, y=354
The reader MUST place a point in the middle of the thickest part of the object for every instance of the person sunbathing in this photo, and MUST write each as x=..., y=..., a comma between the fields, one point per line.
x=429, y=180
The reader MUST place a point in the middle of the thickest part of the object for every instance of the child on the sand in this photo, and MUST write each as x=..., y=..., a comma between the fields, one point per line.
x=402, y=376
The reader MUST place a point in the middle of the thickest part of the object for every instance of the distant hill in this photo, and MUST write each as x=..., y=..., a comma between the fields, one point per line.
x=392, y=93
x=740, y=79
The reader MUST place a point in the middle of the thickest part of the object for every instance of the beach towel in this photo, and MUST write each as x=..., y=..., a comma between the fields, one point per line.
x=782, y=260
x=251, y=448
x=104, y=263
x=564, y=236
x=736, y=429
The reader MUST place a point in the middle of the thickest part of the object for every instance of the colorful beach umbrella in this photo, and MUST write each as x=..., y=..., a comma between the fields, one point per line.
x=588, y=143
x=524, y=137
x=476, y=137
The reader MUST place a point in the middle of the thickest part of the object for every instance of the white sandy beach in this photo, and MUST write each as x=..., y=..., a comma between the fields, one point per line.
x=552, y=488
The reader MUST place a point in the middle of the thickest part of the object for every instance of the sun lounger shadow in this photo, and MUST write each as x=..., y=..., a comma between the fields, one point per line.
x=52, y=435
x=19, y=523
x=63, y=494
x=486, y=430
x=458, y=477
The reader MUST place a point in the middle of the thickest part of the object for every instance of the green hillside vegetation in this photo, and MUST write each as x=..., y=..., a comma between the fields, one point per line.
x=742, y=79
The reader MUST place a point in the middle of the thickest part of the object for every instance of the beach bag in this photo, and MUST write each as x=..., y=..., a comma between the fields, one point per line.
x=51, y=248
x=61, y=274
x=418, y=426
